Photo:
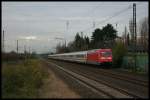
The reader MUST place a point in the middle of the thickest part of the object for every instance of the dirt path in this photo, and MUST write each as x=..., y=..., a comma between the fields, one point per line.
x=54, y=87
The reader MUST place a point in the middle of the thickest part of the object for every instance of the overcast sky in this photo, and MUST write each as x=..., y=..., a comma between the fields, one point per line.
x=37, y=24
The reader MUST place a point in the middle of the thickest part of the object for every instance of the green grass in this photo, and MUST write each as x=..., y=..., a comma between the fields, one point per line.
x=22, y=80
x=138, y=54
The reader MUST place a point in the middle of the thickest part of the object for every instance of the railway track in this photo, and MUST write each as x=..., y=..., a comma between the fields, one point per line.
x=126, y=78
x=97, y=85
x=107, y=83
x=130, y=88
x=120, y=76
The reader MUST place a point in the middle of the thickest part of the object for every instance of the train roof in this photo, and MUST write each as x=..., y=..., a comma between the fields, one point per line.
x=96, y=50
x=79, y=52
x=72, y=53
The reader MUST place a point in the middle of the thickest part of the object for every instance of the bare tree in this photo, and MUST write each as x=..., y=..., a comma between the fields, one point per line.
x=124, y=36
x=131, y=29
x=144, y=31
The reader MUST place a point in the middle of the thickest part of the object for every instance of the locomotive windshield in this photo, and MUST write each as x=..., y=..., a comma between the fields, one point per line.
x=106, y=54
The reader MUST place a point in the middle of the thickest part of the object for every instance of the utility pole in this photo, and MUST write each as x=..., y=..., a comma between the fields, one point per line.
x=29, y=51
x=3, y=42
x=17, y=46
x=134, y=32
x=116, y=28
x=25, y=52
x=17, y=51
x=67, y=27
x=125, y=38
x=24, y=49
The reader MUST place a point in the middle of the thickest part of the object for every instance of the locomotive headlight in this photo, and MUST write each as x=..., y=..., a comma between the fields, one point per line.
x=103, y=57
x=109, y=58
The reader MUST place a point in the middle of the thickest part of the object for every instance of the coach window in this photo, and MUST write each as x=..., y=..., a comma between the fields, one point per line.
x=79, y=56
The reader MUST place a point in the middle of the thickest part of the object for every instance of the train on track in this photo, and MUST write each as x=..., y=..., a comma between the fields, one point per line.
x=95, y=56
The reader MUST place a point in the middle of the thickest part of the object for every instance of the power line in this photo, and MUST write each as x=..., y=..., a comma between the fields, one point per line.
x=92, y=11
x=72, y=5
x=114, y=15
x=121, y=20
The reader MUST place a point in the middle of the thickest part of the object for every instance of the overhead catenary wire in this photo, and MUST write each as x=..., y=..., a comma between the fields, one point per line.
x=53, y=5
x=92, y=11
x=114, y=15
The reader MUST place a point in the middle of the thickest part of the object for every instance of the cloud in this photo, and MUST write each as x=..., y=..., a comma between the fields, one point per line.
x=28, y=38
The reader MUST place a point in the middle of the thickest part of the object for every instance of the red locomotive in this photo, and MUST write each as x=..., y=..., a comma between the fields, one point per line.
x=96, y=56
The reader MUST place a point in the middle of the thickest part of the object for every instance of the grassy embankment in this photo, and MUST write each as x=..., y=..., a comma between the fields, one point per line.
x=22, y=79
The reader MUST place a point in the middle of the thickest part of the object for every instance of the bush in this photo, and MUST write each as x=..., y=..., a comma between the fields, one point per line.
x=22, y=80
x=118, y=52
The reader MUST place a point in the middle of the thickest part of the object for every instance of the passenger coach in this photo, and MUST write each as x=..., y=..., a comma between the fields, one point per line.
x=96, y=56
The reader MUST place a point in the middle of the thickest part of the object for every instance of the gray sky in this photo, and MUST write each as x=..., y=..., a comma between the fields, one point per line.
x=37, y=24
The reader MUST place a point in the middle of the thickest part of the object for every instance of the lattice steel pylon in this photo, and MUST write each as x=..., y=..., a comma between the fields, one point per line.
x=134, y=32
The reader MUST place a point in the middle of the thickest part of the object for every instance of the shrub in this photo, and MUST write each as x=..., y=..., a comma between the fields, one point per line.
x=118, y=52
x=22, y=80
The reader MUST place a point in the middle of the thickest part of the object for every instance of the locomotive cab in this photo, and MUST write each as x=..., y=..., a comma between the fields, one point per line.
x=105, y=56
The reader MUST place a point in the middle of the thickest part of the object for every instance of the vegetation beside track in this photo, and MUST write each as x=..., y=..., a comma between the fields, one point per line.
x=22, y=79
x=118, y=52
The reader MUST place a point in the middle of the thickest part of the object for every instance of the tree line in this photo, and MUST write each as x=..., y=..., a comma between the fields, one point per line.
x=107, y=37
x=101, y=38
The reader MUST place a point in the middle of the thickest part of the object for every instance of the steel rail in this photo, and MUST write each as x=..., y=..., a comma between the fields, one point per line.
x=129, y=95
